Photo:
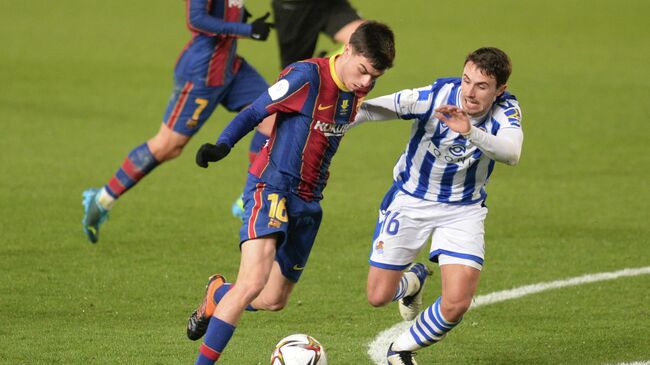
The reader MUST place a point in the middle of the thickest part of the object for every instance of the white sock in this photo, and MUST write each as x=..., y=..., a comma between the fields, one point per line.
x=105, y=199
x=409, y=284
x=413, y=283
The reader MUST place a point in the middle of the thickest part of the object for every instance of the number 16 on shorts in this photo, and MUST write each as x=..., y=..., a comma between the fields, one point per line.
x=390, y=224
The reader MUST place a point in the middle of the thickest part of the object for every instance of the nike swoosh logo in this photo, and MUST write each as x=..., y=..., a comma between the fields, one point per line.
x=321, y=107
x=298, y=268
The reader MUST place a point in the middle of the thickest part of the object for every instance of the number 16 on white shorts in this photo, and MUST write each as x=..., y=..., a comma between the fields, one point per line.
x=405, y=224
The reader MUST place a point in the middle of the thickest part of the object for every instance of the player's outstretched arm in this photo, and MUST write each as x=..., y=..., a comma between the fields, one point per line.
x=200, y=20
x=406, y=104
x=377, y=109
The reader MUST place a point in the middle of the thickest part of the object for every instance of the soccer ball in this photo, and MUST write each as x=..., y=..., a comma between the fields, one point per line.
x=299, y=349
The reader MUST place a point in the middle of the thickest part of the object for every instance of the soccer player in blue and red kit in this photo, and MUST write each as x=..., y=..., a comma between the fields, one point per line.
x=208, y=73
x=314, y=101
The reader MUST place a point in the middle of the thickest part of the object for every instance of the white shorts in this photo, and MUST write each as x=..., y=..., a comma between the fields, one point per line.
x=406, y=222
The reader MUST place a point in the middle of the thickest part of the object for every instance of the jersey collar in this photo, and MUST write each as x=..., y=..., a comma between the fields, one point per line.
x=335, y=77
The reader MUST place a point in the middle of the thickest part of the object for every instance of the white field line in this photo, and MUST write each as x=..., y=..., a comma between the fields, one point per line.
x=377, y=348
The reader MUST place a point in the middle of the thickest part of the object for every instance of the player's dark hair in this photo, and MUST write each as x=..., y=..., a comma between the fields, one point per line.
x=376, y=42
x=492, y=62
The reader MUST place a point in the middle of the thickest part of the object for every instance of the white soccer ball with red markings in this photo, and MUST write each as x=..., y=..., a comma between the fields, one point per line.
x=299, y=349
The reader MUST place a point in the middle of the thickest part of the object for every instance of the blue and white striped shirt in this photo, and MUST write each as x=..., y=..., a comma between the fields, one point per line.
x=438, y=163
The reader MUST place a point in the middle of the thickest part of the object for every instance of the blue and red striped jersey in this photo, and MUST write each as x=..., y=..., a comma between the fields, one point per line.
x=313, y=111
x=210, y=57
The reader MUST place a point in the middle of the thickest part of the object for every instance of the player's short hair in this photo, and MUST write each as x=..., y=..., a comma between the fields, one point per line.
x=376, y=42
x=492, y=62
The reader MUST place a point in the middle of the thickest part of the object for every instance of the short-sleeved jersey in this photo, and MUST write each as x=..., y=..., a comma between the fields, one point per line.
x=314, y=110
x=438, y=163
x=210, y=58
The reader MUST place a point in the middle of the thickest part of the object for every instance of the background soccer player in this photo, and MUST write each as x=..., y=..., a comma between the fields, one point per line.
x=208, y=73
x=299, y=22
x=462, y=127
x=315, y=101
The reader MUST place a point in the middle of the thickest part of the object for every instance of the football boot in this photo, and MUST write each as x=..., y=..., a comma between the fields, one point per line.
x=237, y=208
x=400, y=357
x=199, y=320
x=409, y=306
x=94, y=214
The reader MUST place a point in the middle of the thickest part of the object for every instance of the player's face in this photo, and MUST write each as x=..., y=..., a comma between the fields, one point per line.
x=356, y=71
x=478, y=91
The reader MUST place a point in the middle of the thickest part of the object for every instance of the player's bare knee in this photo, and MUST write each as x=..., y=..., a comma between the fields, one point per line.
x=248, y=290
x=452, y=311
x=167, y=152
x=277, y=304
x=378, y=299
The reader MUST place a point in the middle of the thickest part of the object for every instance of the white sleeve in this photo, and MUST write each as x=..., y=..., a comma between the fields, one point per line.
x=504, y=147
x=406, y=104
x=381, y=108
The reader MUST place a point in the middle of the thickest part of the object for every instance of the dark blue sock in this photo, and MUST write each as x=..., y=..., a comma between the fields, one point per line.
x=139, y=162
x=215, y=340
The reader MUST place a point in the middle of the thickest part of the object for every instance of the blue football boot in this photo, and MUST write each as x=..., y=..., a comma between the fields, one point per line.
x=94, y=214
x=237, y=208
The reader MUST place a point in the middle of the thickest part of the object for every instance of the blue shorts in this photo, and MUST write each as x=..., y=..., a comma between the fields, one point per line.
x=268, y=210
x=192, y=103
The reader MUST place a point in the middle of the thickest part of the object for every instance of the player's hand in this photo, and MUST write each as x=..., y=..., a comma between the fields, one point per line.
x=454, y=117
x=261, y=28
x=211, y=153
x=247, y=15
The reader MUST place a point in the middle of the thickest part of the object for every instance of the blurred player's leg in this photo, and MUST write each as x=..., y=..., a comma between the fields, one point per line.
x=341, y=22
x=187, y=110
x=97, y=202
x=94, y=214
x=297, y=24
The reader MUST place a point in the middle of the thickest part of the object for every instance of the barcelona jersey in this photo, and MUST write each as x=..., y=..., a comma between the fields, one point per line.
x=313, y=111
x=210, y=58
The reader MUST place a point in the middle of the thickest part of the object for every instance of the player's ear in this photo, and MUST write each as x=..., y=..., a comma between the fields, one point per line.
x=347, y=50
x=501, y=89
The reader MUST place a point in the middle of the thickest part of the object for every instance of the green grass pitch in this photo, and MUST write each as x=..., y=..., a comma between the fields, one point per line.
x=84, y=81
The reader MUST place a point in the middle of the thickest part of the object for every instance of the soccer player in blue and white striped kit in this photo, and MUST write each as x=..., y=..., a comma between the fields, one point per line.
x=462, y=127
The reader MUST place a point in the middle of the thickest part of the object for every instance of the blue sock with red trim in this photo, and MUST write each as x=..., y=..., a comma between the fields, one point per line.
x=138, y=163
x=215, y=340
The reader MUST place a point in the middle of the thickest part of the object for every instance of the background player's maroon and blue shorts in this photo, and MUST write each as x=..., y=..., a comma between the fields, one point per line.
x=192, y=102
x=272, y=210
